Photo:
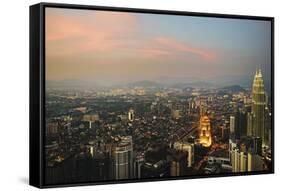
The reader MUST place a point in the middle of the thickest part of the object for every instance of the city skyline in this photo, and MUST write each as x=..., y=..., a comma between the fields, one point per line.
x=148, y=132
x=163, y=96
x=108, y=48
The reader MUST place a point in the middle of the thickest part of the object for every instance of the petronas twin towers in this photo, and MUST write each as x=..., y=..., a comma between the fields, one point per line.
x=258, y=118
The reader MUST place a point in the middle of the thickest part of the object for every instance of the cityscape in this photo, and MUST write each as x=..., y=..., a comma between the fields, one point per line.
x=108, y=121
x=153, y=132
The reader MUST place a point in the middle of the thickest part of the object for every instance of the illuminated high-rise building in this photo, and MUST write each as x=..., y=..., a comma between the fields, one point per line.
x=232, y=127
x=249, y=124
x=123, y=158
x=239, y=160
x=205, y=131
x=244, y=161
x=139, y=161
x=256, y=119
x=178, y=163
x=187, y=148
x=131, y=115
x=254, y=162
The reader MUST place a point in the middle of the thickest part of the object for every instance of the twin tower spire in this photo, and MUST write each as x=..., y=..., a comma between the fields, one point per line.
x=258, y=73
x=257, y=126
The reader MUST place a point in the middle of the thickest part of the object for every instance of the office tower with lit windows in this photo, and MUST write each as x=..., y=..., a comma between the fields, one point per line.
x=258, y=105
x=257, y=125
x=232, y=127
x=123, y=158
x=205, y=131
x=238, y=160
x=249, y=124
x=188, y=148
x=131, y=115
x=254, y=162
x=178, y=163
x=139, y=161
x=245, y=161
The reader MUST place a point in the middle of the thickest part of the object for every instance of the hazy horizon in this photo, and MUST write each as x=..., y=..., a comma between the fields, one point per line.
x=109, y=48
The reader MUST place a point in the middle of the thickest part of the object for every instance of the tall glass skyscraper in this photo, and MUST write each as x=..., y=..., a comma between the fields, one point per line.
x=123, y=158
x=257, y=127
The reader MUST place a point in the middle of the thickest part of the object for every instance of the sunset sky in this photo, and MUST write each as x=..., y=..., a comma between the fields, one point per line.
x=116, y=47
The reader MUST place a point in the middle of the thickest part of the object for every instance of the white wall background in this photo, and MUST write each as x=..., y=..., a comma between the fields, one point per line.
x=14, y=92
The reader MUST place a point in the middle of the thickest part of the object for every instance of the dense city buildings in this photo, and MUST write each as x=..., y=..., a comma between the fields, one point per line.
x=150, y=130
x=132, y=96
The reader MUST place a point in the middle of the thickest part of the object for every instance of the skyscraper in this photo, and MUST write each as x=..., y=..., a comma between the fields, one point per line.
x=123, y=158
x=242, y=121
x=238, y=124
x=205, y=131
x=267, y=132
x=257, y=127
x=245, y=161
x=189, y=149
x=232, y=127
x=238, y=160
x=255, y=162
x=249, y=124
x=178, y=163
x=139, y=161
x=131, y=115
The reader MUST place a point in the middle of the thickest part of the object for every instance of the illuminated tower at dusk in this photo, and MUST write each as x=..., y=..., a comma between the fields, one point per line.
x=257, y=127
x=131, y=115
x=205, y=131
x=123, y=158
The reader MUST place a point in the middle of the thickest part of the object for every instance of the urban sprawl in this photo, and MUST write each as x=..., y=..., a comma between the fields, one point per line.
x=150, y=131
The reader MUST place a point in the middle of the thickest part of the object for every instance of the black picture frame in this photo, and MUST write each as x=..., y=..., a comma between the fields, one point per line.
x=37, y=90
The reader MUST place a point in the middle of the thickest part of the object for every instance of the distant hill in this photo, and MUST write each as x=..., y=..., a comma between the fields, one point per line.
x=232, y=89
x=188, y=89
x=190, y=85
x=187, y=85
x=70, y=84
x=145, y=83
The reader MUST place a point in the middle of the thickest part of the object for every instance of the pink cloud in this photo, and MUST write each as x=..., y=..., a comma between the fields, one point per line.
x=68, y=35
x=154, y=52
x=175, y=45
x=71, y=34
x=169, y=48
